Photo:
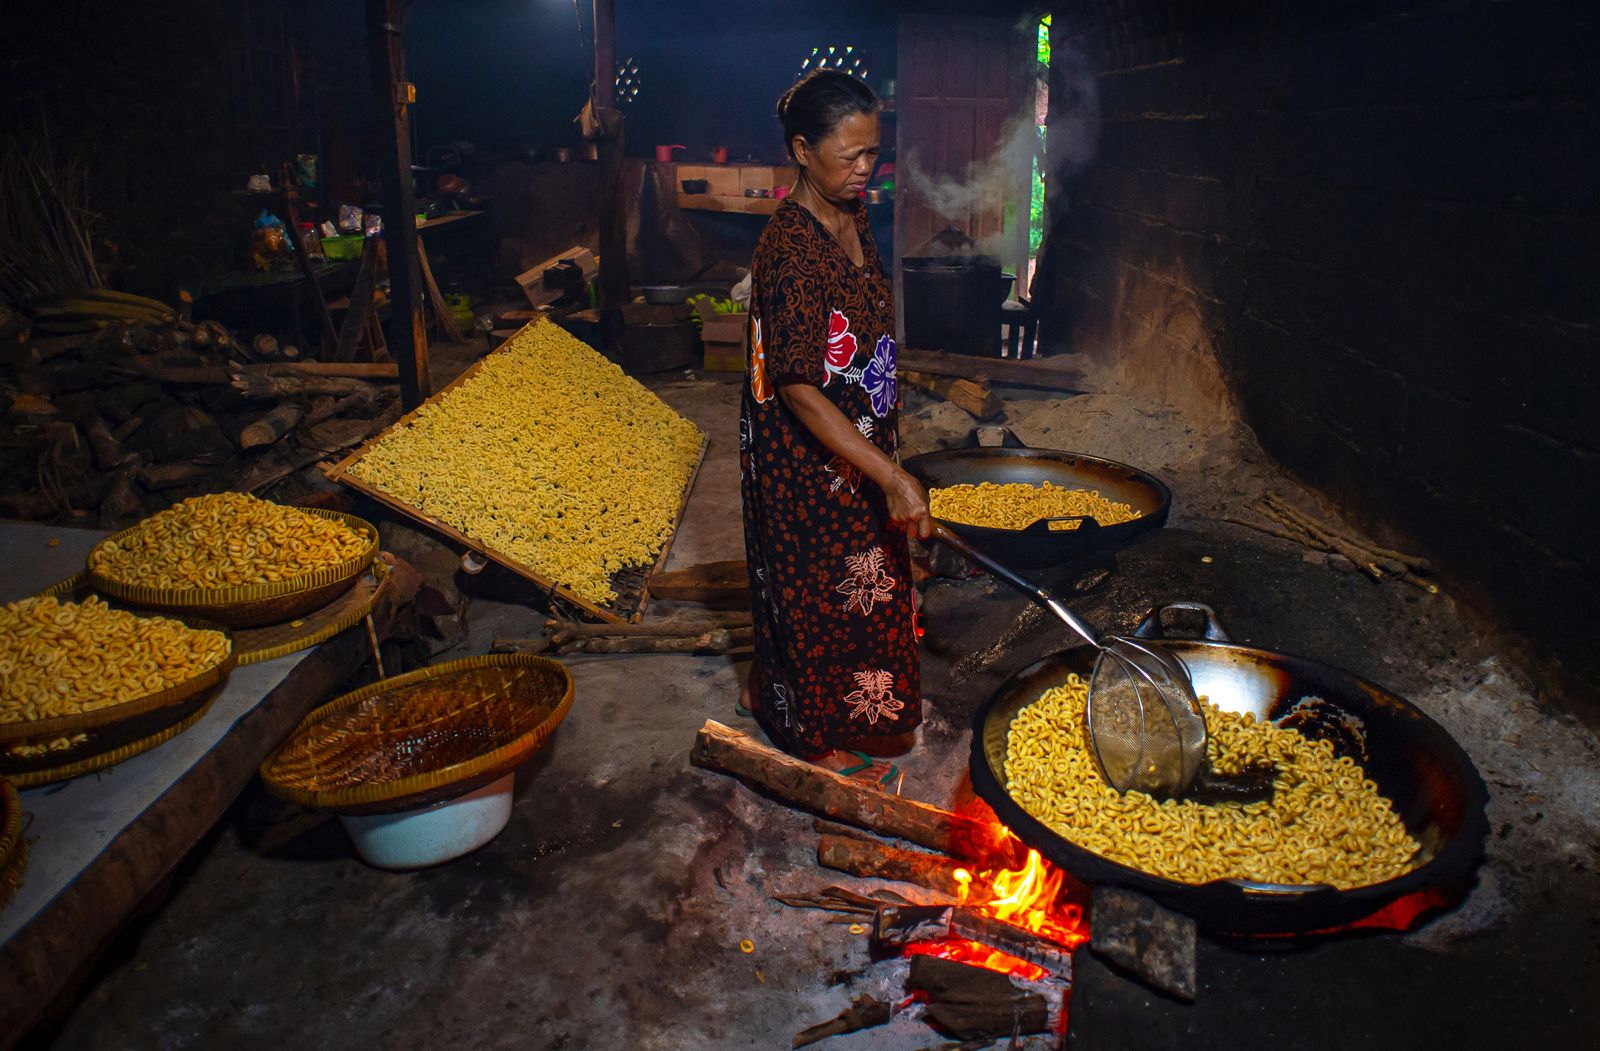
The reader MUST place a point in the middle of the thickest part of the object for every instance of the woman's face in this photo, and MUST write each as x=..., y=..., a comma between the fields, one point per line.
x=839, y=166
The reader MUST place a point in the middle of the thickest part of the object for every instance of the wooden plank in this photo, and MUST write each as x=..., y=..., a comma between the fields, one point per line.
x=447, y=219
x=339, y=473
x=1048, y=373
x=706, y=582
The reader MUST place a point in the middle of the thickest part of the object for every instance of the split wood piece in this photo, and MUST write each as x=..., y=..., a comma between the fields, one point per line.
x=159, y=476
x=263, y=385
x=1154, y=944
x=357, y=370
x=105, y=446
x=842, y=900
x=264, y=345
x=269, y=428
x=122, y=499
x=181, y=375
x=326, y=407
x=337, y=435
x=1048, y=373
x=707, y=582
x=972, y=396
x=864, y=1012
x=444, y=320
x=895, y=927
x=792, y=781
x=873, y=860
x=971, y=1003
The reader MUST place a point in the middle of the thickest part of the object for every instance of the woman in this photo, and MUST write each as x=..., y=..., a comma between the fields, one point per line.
x=826, y=505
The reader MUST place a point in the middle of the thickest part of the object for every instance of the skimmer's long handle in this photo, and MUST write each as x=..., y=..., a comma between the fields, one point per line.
x=951, y=539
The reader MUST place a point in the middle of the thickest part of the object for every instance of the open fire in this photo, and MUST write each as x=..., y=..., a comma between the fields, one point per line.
x=1027, y=898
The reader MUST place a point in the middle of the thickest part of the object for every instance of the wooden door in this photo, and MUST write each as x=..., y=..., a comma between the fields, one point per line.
x=961, y=79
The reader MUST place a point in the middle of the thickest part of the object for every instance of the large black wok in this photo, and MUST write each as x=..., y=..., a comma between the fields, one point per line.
x=1049, y=541
x=1430, y=780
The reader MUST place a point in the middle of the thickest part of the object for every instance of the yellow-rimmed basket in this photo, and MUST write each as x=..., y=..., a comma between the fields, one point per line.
x=13, y=849
x=422, y=737
x=249, y=605
x=39, y=751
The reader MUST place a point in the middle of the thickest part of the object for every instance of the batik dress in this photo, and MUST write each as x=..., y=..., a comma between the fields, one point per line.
x=830, y=578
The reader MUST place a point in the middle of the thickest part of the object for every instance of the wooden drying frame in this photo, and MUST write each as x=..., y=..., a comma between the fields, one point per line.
x=339, y=473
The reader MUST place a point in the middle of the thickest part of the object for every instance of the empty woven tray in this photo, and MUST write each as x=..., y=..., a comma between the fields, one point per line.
x=422, y=737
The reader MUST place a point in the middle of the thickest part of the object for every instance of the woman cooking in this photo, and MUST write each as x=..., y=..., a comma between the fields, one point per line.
x=826, y=506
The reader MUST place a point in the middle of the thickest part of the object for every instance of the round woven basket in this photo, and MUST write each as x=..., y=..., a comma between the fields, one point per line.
x=42, y=750
x=422, y=737
x=250, y=605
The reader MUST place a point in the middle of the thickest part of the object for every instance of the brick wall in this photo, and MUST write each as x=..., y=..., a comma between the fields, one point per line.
x=1374, y=230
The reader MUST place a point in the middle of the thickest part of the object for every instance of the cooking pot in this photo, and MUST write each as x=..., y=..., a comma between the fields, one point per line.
x=1432, y=783
x=953, y=302
x=1049, y=541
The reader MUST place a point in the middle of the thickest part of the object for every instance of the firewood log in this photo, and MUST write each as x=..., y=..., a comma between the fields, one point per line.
x=269, y=428
x=726, y=750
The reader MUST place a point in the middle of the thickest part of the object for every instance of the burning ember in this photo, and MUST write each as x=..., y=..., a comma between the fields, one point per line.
x=1025, y=898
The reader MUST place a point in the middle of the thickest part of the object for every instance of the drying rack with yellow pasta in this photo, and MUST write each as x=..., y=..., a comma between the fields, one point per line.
x=587, y=381
x=1430, y=782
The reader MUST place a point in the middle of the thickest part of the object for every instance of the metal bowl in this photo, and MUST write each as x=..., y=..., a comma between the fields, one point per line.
x=664, y=295
x=1049, y=541
x=1432, y=783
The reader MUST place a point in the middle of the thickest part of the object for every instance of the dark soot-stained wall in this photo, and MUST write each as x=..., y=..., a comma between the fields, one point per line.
x=1381, y=222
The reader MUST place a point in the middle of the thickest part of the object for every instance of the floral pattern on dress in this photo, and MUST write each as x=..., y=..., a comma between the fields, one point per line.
x=874, y=697
x=760, y=386
x=879, y=377
x=841, y=349
x=866, y=583
x=847, y=475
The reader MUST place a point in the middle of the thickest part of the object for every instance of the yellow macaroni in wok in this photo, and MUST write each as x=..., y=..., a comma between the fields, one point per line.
x=1326, y=823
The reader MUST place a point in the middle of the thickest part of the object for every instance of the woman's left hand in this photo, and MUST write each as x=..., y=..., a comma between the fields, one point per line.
x=908, y=505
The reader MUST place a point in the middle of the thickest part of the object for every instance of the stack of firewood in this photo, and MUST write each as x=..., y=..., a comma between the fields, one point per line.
x=119, y=419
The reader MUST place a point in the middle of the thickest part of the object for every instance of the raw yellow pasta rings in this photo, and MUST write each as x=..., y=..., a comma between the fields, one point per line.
x=550, y=455
x=225, y=540
x=1326, y=823
x=65, y=658
x=1017, y=505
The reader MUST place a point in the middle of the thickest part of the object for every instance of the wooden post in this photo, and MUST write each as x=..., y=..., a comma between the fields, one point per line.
x=408, y=341
x=613, y=279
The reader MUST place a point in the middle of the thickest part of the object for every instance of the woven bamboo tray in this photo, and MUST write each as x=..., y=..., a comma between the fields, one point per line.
x=110, y=735
x=423, y=737
x=254, y=645
x=629, y=584
x=250, y=605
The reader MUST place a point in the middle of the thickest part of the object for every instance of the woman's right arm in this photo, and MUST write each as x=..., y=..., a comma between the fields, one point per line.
x=908, y=502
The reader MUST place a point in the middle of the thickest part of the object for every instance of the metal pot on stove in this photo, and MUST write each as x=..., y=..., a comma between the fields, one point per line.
x=952, y=297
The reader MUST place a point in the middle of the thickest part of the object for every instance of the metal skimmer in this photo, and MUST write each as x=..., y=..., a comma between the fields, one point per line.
x=1146, y=727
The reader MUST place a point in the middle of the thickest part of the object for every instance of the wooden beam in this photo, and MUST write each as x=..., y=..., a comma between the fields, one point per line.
x=408, y=342
x=614, y=290
x=1049, y=373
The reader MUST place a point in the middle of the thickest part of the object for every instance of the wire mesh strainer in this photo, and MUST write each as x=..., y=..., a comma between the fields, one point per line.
x=1146, y=727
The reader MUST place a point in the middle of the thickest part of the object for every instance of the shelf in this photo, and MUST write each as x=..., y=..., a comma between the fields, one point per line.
x=740, y=205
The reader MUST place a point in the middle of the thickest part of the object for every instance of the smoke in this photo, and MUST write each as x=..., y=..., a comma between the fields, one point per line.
x=1072, y=138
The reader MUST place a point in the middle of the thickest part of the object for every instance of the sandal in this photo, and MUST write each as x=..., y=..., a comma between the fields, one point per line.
x=867, y=762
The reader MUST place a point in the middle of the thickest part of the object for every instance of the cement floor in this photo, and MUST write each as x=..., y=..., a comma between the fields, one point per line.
x=608, y=914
